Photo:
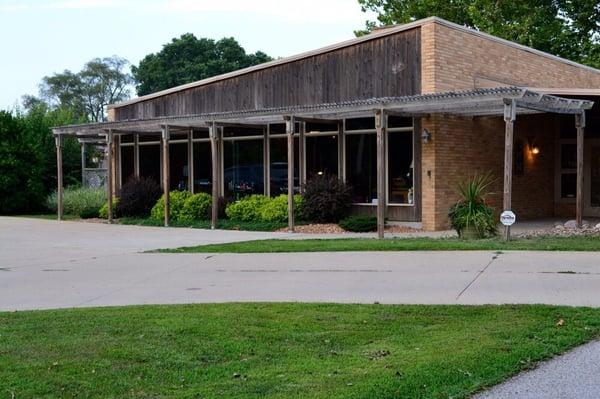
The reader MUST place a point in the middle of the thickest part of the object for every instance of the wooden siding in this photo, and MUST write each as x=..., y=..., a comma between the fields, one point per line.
x=385, y=66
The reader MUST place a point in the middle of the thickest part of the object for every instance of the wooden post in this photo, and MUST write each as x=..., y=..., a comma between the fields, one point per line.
x=83, y=163
x=117, y=165
x=580, y=124
x=214, y=145
x=510, y=115
x=380, y=126
x=59, y=177
x=109, y=173
x=289, y=128
x=341, y=152
x=136, y=156
x=166, y=173
x=301, y=157
x=267, y=160
x=191, y=161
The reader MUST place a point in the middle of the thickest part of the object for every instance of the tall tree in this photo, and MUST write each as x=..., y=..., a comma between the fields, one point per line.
x=567, y=28
x=187, y=59
x=102, y=81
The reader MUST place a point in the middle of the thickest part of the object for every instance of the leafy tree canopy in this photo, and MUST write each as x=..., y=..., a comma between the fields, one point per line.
x=187, y=59
x=567, y=28
x=102, y=81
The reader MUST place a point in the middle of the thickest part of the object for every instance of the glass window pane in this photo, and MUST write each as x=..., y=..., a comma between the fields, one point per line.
x=278, y=155
x=400, y=168
x=178, y=170
x=202, y=168
x=321, y=156
x=126, y=164
x=243, y=168
x=568, y=185
x=150, y=162
x=360, y=123
x=568, y=156
x=361, y=167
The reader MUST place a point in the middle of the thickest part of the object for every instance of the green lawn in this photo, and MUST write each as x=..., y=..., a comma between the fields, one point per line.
x=399, y=244
x=280, y=350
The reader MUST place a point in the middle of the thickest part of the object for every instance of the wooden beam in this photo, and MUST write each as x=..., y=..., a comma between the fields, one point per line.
x=136, y=156
x=109, y=173
x=380, y=126
x=580, y=125
x=59, y=177
x=289, y=128
x=82, y=144
x=341, y=151
x=267, y=160
x=301, y=156
x=316, y=120
x=214, y=146
x=190, y=155
x=240, y=125
x=510, y=115
x=166, y=173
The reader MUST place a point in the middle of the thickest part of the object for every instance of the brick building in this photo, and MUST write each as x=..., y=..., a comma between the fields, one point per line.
x=402, y=115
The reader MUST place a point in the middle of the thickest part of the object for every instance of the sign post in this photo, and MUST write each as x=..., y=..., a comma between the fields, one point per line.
x=507, y=218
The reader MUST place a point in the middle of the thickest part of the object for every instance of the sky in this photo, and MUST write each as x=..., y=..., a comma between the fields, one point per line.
x=42, y=37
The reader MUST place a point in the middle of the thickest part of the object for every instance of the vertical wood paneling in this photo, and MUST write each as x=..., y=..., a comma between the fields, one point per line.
x=387, y=66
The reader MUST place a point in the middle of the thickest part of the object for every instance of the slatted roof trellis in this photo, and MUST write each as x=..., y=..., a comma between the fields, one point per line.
x=478, y=102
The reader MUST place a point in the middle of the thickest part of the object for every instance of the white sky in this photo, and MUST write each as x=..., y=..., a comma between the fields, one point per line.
x=40, y=37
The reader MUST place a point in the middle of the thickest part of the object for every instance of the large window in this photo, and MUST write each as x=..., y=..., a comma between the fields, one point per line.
x=279, y=165
x=400, y=168
x=127, y=167
x=361, y=161
x=150, y=161
x=321, y=154
x=243, y=168
x=202, y=167
x=361, y=167
x=178, y=169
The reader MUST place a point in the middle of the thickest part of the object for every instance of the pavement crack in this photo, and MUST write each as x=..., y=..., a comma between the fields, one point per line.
x=479, y=274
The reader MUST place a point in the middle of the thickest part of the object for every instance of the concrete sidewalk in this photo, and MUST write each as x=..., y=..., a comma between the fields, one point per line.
x=573, y=375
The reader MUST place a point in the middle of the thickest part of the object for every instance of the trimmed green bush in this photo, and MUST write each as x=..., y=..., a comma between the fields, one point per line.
x=276, y=209
x=82, y=202
x=103, y=213
x=359, y=224
x=196, y=207
x=247, y=209
x=177, y=200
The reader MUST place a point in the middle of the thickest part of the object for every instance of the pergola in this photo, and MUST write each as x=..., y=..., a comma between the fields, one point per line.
x=508, y=102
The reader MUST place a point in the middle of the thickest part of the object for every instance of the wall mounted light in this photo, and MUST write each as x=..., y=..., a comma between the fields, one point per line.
x=533, y=147
x=426, y=136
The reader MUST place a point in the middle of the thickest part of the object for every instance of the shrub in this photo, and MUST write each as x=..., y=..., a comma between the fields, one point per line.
x=103, y=213
x=82, y=202
x=471, y=215
x=196, y=207
x=276, y=209
x=359, y=224
x=326, y=199
x=138, y=196
x=247, y=209
x=177, y=199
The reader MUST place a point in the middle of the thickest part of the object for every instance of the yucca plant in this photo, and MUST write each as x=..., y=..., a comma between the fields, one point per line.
x=471, y=217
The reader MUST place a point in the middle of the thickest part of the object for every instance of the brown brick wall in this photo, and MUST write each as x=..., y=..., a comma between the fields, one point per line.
x=456, y=60
x=453, y=59
x=463, y=147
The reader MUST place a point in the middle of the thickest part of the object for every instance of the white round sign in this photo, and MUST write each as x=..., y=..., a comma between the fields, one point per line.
x=508, y=218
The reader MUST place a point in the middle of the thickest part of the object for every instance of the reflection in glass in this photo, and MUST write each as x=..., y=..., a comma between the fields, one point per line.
x=400, y=168
x=321, y=156
x=202, y=168
x=279, y=172
x=243, y=168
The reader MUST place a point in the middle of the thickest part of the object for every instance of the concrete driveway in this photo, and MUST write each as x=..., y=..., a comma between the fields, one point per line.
x=46, y=264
